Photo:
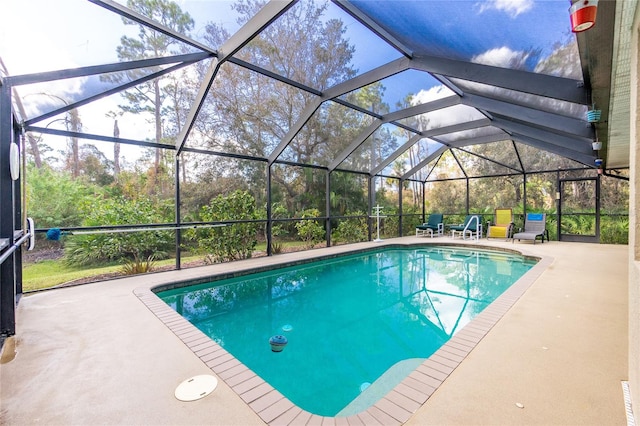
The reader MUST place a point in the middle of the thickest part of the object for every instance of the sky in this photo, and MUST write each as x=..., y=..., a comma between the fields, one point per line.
x=44, y=35
x=86, y=34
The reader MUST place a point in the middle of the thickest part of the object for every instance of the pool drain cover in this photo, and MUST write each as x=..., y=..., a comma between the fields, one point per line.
x=196, y=387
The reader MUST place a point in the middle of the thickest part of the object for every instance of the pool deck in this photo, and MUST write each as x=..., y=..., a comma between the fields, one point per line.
x=103, y=353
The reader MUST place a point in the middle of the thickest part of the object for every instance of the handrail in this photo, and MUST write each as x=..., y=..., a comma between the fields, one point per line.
x=14, y=247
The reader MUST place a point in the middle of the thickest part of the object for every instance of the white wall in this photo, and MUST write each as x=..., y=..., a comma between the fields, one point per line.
x=634, y=228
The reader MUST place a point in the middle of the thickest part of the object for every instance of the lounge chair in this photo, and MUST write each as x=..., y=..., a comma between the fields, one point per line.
x=535, y=226
x=435, y=223
x=502, y=225
x=472, y=227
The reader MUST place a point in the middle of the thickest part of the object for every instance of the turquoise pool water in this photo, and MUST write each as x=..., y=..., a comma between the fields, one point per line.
x=349, y=319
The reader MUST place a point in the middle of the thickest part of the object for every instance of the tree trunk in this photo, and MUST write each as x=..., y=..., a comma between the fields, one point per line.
x=35, y=151
x=75, y=126
x=414, y=184
x=116, y=151
x=158, y=119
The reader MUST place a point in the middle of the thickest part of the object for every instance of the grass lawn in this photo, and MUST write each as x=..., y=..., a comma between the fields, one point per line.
x=50, y=273
x=285, y=244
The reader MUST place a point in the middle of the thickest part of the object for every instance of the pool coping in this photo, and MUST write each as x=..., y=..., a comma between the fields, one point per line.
x=397, y=406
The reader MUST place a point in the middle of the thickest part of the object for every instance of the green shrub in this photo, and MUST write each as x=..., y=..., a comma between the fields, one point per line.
x=388, y=225
x=234, y=241
x=614, y=230
x=108, y=246
x=311, y=231
x=352, y=230
x=276, y=247
x=278, y=211
x=138, y=266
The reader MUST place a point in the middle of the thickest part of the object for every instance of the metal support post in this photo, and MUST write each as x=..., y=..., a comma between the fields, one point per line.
x=400, y=183
x=7, y=217
x=372, y=196
x=327, y=197
x=269, y=212
x=177, y=201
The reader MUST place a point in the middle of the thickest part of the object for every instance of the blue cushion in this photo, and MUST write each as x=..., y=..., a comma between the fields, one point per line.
x=534, y=216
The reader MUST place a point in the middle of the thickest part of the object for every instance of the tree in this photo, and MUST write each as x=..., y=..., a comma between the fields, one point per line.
x=247, y=113
x=55, y=197
x=180, y=89
x=116, y=151
x=72, y=123
x=417, y=152
x=348, y=193
x=398, y=170
x=94, y=166
x=150, y=97
x=116, y=146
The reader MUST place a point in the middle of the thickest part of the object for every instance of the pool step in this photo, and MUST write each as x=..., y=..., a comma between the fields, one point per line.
x=381, y=387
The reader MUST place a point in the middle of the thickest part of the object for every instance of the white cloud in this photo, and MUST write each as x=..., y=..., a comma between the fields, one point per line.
x=512, y=8
x=445, y=116
x=501, y=57
x=432, y=94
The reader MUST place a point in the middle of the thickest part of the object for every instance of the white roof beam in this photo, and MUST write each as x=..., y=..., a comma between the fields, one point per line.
x=549, y=86
x=575, y=144
x=537, y=117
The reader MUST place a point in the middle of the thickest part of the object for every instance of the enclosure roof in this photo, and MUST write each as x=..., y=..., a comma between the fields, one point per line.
x=480, y=73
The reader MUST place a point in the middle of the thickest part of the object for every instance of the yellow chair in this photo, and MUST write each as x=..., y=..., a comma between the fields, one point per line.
x=502, y=224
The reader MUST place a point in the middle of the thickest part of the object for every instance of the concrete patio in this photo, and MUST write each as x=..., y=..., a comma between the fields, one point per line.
x=95, y=354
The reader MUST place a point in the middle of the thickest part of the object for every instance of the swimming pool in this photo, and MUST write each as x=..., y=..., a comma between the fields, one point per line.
x=356, y=325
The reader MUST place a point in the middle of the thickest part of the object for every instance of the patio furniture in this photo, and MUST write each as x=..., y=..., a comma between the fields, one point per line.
x=534, y=227
x=502, y=225
x=472, y=227
x=435, y=223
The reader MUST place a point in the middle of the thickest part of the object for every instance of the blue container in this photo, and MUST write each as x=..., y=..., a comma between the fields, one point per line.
x=277, y=343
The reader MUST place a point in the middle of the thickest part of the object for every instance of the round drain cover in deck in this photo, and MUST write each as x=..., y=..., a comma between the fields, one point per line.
x=196, y=387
